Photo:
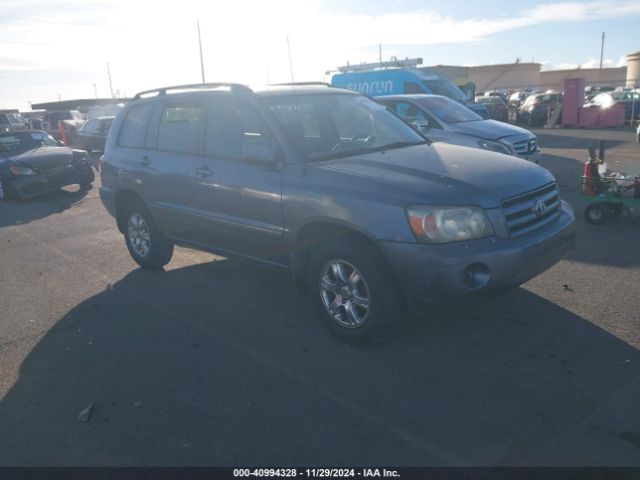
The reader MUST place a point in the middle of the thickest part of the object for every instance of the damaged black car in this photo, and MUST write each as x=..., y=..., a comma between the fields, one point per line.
x=32, y=162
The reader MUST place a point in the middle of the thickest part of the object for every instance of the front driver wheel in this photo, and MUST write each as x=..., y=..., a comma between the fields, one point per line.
x=6, y=192
x=145, y=242
x=354, y=293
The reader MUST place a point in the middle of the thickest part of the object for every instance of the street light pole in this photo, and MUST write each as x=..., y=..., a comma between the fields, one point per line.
x=602, y=51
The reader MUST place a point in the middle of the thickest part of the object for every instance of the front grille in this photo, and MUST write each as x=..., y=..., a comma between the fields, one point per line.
x=526, y=146
x=531, y=210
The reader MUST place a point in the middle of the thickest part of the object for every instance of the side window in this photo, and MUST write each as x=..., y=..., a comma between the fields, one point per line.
x=232, y=122
x=90, y=126
x=181, y=127
x=104, y=127
x=4, y=120
x=134, y=127
x=408, y=112
x=411, y=87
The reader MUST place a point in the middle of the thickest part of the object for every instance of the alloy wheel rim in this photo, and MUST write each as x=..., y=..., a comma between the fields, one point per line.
x=139, y=235
x=345, y=293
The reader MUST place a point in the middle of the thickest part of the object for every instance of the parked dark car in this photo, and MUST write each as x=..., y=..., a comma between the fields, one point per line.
x=93, y=134
x=496, y=107
x=630, y=100
x=537, y=108
x=32, y=163
x=366, y=214
x=11, y=122
x=440, y=119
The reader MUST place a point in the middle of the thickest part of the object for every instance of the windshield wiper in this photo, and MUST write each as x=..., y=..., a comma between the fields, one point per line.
x=400, y=144
x=364, y=151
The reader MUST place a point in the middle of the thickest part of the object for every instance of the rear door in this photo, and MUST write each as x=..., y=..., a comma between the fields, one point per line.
x=176, y=135
x=238, y=199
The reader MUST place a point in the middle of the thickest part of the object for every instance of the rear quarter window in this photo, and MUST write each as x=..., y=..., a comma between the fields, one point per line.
x=134, y=127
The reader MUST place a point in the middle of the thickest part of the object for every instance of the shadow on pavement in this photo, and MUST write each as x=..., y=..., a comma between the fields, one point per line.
x=24, y=211
x=224, y=364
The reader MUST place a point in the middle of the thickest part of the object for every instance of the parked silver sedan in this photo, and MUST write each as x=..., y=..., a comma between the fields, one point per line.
x=442, y=120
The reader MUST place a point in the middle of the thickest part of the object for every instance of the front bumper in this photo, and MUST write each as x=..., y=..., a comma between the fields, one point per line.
x=532, y=157
x=436, y=273
x=28, y=186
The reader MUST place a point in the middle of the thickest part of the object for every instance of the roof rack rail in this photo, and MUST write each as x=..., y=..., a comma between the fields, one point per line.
x=194, y=86
x=301, y=84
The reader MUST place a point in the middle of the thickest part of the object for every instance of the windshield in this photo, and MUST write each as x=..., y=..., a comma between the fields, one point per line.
x=323, y=126
x=23, y=141
x=448, y=111
x=445, y=87
x=71, y=115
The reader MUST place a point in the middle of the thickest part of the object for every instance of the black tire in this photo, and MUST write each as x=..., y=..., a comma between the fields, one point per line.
x=596, y=213
x=87, y=178
x=7, y=192
x=159, y=248
x=615, y=209
x=385, y=306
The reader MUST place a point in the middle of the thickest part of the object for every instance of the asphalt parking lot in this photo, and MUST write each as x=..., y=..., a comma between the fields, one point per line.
x=221, y=362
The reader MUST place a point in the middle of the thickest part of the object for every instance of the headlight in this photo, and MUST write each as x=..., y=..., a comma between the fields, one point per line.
x=495, y=146
x=434, y=224
x=21, y=171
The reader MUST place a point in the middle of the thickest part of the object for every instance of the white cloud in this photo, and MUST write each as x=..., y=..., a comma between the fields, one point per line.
x=151, y=44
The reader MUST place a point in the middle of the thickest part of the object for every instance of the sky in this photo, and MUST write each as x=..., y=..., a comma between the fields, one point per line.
x=52, y=49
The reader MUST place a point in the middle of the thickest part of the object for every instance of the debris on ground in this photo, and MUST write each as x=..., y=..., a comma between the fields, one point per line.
x=84, y=415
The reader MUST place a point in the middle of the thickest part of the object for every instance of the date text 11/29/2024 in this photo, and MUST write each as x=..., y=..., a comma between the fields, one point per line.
x=315, y=472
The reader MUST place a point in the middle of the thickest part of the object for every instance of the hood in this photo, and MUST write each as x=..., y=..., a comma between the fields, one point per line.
x=444, y=174
x=489, y=129
x=44, y=157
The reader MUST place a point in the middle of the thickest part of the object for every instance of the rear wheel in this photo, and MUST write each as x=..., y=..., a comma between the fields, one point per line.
x=354, y=293
x=87, y=179
x=145, y=242
x=596, y=213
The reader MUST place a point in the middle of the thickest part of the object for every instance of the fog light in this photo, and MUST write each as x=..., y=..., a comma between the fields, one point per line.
x=475, y=275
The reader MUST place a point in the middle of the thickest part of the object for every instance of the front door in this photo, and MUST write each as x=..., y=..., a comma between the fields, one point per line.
x=239, y=200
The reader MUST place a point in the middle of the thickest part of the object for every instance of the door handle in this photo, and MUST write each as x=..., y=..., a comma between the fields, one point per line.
x=144, y=161
x=204, y=172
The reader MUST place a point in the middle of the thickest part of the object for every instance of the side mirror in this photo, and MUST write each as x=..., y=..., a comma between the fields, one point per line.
x=60, y=143
x=259, y=151
x=421, y=125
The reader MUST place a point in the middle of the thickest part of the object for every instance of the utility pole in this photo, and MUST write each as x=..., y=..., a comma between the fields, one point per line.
x=602, y=51
x=201, y=60
x=110, y=82
x=95, y=90
x=380, y=52
x=290, y=61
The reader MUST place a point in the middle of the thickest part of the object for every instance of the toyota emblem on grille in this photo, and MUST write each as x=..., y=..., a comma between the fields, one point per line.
x=540, y=208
